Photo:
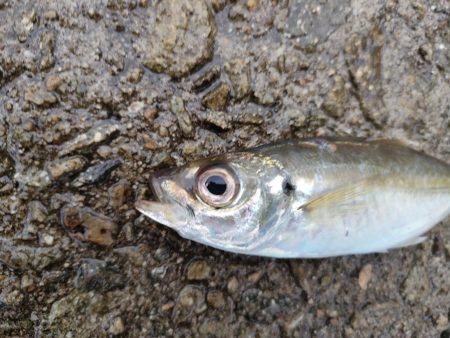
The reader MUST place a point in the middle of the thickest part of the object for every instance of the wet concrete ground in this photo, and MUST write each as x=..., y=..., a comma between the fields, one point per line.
x=96, y=95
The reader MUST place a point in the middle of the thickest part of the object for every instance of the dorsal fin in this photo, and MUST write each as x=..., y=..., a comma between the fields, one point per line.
x=394, y=142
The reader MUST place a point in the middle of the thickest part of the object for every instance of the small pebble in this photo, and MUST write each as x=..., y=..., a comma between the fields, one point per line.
x=36, y=212
x=150, y=115
x=190, y=148
x=161, y=159
x=40, y=97
x=51, y=15
x=219, y=119
x=163, y=131
x=181, y=39
x=217, y=98
x=252, y=4
x=48, y=239
x=442, y=322
x=162, y=253
x=70, y=217
x=135, y=75
x=184, y=120
x=95, y=228
x=426, y=52
x=193, y=298
x=335, y=99
x=365, y=275
x=117, y=327
x=66, y=166
x=26, y=282
x=53, y=82
x=232, y=285
x=206, y=78
x=151, y=145
x=6, y=185
x=218, y=5
x=98, y=134
x=104, y=151
x=198, y=270
x=238, y=71
x=167, y=306
x=119, y=193
x=250, y=118
x=159, y=272
x=254, y=277
x=216, y=299
x=96, y=274
x=13, y=298
x=96, y=173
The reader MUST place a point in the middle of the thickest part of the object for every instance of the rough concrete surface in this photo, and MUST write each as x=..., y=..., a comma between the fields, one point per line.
x=96, y=95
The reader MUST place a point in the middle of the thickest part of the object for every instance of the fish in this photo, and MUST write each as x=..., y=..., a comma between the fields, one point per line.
x=305, y=198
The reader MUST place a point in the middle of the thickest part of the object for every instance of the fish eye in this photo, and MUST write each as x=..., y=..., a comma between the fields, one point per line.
x=217, y=185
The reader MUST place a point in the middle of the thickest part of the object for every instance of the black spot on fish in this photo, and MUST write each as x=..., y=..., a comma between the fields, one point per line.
x=288, y=188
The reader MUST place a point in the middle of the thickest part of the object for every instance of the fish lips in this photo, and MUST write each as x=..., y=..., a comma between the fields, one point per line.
x=166, y=210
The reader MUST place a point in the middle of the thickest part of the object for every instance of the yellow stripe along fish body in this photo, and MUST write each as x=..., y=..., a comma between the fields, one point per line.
x=305, y=198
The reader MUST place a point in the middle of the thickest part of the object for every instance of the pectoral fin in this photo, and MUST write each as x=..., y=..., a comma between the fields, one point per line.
x=349, y=197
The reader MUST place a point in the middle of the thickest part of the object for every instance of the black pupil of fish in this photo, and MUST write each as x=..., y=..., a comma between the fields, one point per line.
x=216, y=185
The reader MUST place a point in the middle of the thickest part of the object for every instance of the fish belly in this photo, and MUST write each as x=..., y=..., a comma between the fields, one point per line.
x=377, y=222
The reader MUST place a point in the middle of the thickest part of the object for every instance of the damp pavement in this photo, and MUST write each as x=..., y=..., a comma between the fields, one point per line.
x=96, y=95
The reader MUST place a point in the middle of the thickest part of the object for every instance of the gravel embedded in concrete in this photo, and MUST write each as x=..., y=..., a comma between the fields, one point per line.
x=159, y=83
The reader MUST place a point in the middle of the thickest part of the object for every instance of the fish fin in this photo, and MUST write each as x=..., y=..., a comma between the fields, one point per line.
x=349, y=196
x=394, y=142
x=411, y=241
x=344, y=138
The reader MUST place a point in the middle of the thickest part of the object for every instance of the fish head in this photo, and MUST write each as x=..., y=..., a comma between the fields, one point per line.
x=233, y=202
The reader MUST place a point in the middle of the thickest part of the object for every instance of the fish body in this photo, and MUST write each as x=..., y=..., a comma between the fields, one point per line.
x=305, y=198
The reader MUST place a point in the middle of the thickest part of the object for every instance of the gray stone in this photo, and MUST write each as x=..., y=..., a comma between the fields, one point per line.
x=184, y=120
x=86, y=225
x=40, y=96
x=198, y=270
x=190, y=302
x=217, y=98
x=96, y=174
x=66, y=166
x=182, y=37
x=96, y=135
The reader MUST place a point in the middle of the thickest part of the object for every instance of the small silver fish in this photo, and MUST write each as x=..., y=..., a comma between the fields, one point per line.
x=305, y=198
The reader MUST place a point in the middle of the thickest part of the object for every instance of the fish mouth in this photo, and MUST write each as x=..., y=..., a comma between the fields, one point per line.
x=156, y=185
x=166, y=210
x=171, y=215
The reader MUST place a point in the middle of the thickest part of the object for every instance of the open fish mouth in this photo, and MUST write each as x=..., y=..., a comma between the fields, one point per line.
x=166, y=209
x=172, y=215
x=156, y=186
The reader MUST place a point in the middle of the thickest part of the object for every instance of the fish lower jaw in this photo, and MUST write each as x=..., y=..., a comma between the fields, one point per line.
x=169, y=214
